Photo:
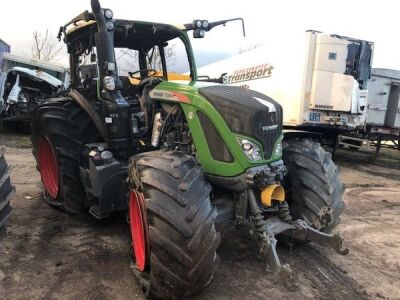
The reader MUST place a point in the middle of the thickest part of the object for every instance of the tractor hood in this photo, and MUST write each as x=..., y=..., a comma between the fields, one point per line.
x=247, y=112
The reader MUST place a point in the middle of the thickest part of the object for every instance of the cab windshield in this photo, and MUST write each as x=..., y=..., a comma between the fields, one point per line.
x=144, y=49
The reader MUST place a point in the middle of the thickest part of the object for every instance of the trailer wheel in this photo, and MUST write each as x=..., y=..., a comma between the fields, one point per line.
x=174, y=239
x=314, y=188
x=6, y=189
x=59, y=131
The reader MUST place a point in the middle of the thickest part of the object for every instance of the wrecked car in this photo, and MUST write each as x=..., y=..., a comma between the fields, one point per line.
x=21, y=90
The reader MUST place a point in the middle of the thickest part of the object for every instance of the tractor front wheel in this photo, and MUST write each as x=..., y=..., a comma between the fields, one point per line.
x=314, y=188
x=174, y=239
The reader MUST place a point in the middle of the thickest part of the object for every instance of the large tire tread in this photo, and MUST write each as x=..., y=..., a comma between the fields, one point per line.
x=6, y=189
x=68, y=127
x=313, y=181
x=183, y=238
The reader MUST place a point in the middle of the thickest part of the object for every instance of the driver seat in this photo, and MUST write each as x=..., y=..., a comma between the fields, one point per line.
x=128, y=89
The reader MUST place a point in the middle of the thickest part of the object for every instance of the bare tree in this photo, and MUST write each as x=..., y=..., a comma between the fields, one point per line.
x=45, y=46
x=154, y=57
x=128, y=60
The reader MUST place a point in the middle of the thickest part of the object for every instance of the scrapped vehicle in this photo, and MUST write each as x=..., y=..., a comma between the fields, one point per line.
x=21, y=90
x=179, y=155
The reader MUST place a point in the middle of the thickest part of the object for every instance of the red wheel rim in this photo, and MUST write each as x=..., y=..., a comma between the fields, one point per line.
x=48, y=167
x=138, y=229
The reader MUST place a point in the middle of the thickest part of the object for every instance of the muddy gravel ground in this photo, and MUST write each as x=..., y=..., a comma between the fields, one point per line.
x=47, y=254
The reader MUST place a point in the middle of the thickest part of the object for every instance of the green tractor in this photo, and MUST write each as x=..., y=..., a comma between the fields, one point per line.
x=137, y=131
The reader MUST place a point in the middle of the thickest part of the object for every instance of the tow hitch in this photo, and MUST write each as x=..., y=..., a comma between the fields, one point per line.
x=265, y=230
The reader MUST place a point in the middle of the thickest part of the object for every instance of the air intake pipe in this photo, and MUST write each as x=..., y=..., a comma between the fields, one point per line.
x=116, y=111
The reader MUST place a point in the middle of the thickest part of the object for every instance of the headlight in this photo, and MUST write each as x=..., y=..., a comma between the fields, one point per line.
x=250, y=149
x=256, y=154
x=199, y=33
x=278, y=149
x=108, y=13
x=110, y=25
x=246, y=145
x=109, y=83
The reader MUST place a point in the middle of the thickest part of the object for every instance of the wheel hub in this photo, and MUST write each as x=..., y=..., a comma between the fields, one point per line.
x=138, y=226
x=48, y=167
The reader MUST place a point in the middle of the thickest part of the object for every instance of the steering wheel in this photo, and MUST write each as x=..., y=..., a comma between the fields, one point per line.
x=136, y=74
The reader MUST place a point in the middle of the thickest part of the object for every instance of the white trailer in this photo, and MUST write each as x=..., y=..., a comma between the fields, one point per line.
x=383, y=113
x=322, y=84
x=384, y=99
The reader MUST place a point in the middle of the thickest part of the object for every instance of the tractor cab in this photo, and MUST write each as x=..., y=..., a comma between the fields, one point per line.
x=117, y=63
x=144, y=53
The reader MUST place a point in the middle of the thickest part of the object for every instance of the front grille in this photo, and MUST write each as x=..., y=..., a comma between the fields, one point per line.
x=268, y=137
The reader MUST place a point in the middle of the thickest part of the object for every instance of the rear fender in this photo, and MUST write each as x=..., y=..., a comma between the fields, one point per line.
x=88, y=108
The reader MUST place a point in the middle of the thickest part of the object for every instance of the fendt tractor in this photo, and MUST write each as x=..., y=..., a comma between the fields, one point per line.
x=178, y=155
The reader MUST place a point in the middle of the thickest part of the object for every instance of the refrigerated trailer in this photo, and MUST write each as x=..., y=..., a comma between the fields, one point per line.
x=322, y=84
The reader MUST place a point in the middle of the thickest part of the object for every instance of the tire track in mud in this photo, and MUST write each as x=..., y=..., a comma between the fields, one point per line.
x=243, y=272
x=331, y=281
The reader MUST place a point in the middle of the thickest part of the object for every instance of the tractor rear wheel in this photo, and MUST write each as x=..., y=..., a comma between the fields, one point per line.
x=60, y=129
x=172, y=224
x=6, y=189
x=314, y=188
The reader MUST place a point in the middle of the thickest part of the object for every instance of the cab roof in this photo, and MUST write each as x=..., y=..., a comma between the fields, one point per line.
x=127, y=34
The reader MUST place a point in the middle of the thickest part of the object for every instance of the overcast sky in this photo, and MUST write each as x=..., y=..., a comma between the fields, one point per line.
x=267, y=22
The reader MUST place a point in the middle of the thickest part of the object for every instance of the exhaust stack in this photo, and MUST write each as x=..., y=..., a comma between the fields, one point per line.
x=115, y=108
